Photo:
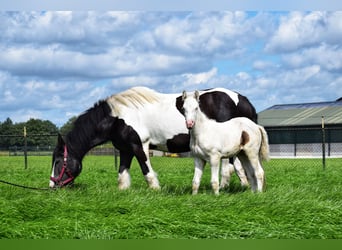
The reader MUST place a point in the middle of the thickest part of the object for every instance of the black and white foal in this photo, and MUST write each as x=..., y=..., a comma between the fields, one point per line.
x=211, y=141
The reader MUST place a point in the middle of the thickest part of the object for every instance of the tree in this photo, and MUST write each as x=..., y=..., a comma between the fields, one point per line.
x=68, y=126
x=6, y=131
x=40, y=133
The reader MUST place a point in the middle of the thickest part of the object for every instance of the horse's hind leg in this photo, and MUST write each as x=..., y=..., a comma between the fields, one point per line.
x=199, y=165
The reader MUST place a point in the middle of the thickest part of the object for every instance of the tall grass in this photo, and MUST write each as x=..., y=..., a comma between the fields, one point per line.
x=301, y=202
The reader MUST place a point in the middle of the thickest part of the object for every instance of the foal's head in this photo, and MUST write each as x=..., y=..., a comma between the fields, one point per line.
x=190, y=108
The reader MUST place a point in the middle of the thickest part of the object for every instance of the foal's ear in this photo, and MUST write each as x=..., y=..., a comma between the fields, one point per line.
x=183, y=95
x=197, y=95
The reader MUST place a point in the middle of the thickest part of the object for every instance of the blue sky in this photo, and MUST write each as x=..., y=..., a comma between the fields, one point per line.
x=56, y=64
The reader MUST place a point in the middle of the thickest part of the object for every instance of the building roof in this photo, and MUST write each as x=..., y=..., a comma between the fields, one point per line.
x=302, y=114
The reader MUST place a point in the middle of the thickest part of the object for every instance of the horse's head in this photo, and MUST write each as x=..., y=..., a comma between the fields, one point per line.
x=190, y=108
x=65, y=167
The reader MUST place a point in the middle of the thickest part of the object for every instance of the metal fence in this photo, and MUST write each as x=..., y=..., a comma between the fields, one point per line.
x=305, y=142
x=287, y=143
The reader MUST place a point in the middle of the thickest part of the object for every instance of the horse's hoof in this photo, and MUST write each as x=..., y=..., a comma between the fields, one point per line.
x=155, y=187
x=122, y=187
x=152, y=181
x=194, y=191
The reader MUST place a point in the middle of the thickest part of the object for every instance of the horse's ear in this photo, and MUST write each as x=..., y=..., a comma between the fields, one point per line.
x=197, y=95
x=60, y=140
x=183, y=95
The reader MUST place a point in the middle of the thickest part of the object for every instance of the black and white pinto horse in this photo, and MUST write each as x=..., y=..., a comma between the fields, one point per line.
x=211, y=141
x=135, y=121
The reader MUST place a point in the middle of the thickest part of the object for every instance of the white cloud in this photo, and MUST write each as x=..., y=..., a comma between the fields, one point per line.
x=243, y=76
x=297, y=30
x=200, y=78
x=299, y=76
x=207, y=34
x=140, y=80
x=57, y=64
x=328, y=57
x=302, y=30
x=24, y=115
x=86, y=45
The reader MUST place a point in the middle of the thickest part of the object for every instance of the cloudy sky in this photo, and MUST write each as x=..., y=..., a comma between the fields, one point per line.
x=56, y=64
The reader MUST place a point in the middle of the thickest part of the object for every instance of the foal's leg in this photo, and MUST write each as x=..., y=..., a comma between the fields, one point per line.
x=227, y=169
x=215, y=168
x=260, y=176
x=240, y=172
x=226, y=172
x=254, y=170
x=247, y=166
x=199, y=166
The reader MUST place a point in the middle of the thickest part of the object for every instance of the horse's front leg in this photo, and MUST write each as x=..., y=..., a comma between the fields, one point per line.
x=199, y=165
x=124, y=179
x=145, y=165
x=215, y=169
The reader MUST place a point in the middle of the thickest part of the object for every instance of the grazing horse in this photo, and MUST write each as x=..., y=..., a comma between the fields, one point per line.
x=135, y=121
x=210, y=141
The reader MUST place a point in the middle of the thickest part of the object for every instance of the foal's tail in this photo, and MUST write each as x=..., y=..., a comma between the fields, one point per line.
x=264, y=147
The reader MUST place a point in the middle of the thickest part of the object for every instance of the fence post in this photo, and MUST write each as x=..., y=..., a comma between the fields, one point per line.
x=25, y=147
x=115, y=159
x=323, y=143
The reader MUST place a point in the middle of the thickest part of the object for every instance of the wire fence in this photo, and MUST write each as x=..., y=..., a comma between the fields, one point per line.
x=308, y=142
x=285, y=143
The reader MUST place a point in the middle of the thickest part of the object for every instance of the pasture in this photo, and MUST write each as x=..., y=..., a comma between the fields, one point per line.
x=302, y=201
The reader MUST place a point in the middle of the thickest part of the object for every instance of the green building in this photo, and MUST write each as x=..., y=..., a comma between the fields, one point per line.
x=299, y=130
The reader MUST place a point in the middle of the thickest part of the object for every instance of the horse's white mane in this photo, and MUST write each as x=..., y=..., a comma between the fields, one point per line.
x=133, y=98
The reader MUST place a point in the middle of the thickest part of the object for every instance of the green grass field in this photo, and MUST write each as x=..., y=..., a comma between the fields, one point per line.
x=301, y=202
